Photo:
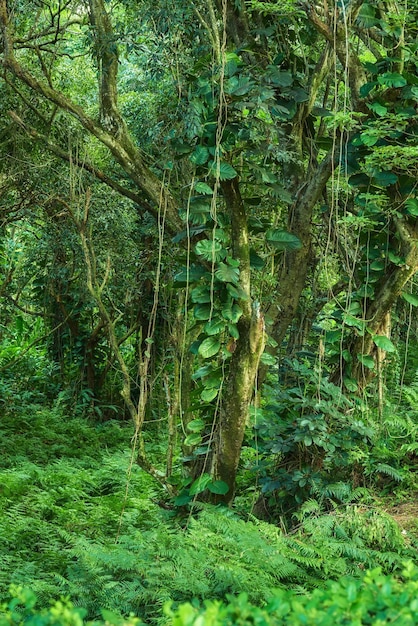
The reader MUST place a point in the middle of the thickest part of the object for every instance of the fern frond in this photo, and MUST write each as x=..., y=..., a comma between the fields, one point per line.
x=384, y=468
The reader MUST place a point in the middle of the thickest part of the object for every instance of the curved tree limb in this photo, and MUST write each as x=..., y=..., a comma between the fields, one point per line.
x=337, y=36
x=118, y=141
x=140, y=202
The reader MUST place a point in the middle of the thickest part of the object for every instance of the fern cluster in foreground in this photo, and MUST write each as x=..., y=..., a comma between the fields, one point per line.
x=60, y=518
x=374, y=599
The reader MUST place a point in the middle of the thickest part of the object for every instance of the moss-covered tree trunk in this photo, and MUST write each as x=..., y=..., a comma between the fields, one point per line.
x=239, y=389
x=377, y=310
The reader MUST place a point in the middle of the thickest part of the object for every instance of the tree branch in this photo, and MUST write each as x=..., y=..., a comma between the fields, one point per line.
x=141, y=203
x=337, y=35
x=296, y=263
x=121, y=146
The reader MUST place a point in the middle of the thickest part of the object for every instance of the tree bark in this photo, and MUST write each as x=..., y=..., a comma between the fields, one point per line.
x=377, y=310
x=245, y=359
x=236, y=402
x=114, y=134
x=295, y=265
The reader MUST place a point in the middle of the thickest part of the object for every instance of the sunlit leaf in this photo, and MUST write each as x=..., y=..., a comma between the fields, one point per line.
x=210, y=250
x=377, y=265
x=111, y=618
x=209, y=347
x=193, y=439
x=267, y=176
x=346, y=354
x=233, y=331
x=370, y=137
x=378, y=108
x=267, y=359
x=203, y=188
x=384, y=343
x=409, y=297
x=208, y=395
x=395, y=258
x=232, y=262
x=214, y=327
x=195, y=426
x=282, y=240
x=214, y=381
x=350, y=320
x=227, y=274
x=350, y=384
x=200, y=484
x=412, y=206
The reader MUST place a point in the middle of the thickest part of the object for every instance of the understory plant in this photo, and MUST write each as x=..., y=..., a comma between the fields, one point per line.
x=306, y=436
x=78, y=519
x=374, y=598
x=310, y=441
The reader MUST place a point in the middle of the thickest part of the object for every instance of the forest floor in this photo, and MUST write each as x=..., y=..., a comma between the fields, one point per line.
x=405, y=515
x=76, y=521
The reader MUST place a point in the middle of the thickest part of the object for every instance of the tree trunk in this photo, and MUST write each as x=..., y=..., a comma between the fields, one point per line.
x=377, y=312
x=245, y=359
x=238, y=395
x=295, y=264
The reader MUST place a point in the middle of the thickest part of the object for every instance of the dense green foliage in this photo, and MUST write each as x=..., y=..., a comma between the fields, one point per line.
x=77, y=522
x=208, y=340
x=375, y=599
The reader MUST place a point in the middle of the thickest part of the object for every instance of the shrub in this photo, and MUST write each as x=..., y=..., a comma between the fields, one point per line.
x=375, y=599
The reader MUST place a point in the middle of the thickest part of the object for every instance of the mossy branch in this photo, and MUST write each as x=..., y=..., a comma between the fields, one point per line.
x=96, y=288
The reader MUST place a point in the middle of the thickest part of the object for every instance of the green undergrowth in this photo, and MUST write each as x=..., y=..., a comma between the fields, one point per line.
x=375, y=598
x=71, y=524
